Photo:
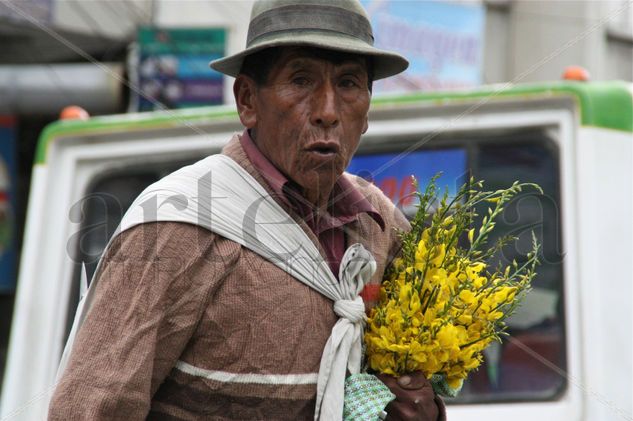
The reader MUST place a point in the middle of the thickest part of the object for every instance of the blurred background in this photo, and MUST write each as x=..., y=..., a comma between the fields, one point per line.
x=121, y=56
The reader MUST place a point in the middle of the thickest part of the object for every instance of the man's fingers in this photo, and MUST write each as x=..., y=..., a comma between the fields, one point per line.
x=409, y=411
x=413, y=381
x=404, y=381
x=415, y=399
x=401, y=412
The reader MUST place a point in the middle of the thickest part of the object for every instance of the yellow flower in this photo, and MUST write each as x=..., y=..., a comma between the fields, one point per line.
x=467, y=296
x=471, y=364
x=440, y=253
x=405, y=292
x=504, y=295
x=383, y=362
x=447, y=336
x=414, y=304
x=495, y=315
x=465, y=319
x=421, y=252
x=474, y=269
x=455, y=382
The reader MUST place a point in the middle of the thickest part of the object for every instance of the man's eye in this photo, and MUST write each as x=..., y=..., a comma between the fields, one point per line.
x=300, y=81
x=348, y=83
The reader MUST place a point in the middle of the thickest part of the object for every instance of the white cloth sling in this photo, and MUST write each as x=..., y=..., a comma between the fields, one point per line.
x=219, y=195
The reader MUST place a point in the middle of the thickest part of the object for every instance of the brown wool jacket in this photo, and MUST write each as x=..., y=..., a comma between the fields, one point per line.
x=187, y=325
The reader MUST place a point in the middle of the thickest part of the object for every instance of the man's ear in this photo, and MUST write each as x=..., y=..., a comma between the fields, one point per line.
x=366, y=124
x=245, y=92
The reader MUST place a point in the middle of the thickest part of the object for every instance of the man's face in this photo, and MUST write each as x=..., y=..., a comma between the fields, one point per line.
x=308, y=117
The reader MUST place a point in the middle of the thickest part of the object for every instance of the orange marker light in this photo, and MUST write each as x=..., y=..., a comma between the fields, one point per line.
x=73, y=112
x=576, y=73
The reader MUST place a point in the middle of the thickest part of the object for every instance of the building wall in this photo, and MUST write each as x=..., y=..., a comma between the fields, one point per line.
x=533, y=40
x=115, y=19
x=497, y=42
x=619, y=36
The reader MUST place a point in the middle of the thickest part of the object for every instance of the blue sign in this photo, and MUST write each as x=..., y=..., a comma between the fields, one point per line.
x=394, y=172
x=442, y=40
x=7, y=204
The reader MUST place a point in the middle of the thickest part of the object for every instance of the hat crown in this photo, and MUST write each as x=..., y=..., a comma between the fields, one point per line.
x=261, y=6
x=273, y=18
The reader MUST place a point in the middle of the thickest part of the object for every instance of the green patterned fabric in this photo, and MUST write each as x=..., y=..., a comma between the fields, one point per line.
x=441, y=387
x=365, y=398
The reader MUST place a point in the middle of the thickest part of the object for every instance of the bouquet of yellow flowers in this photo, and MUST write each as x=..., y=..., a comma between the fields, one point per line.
x=441, y=303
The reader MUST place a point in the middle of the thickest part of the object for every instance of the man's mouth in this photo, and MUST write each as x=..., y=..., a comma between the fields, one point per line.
x=324, y=148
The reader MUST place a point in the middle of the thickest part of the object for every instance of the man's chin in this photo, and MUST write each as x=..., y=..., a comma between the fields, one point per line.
x=319, y=180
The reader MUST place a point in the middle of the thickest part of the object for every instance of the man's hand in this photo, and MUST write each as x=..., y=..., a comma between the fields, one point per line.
x=415, y=399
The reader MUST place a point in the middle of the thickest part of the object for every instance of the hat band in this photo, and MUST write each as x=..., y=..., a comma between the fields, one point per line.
x=310, y=17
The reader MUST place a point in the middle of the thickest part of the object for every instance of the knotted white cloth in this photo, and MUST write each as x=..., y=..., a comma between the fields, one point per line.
x=219, y=195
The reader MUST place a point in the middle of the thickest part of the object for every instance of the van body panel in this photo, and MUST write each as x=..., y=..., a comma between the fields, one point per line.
x=605, y=231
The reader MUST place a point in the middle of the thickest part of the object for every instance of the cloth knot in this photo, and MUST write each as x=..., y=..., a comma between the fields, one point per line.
x=352, y=310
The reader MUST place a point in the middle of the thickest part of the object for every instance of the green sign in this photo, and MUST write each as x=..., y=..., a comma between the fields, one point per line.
x=173, y=68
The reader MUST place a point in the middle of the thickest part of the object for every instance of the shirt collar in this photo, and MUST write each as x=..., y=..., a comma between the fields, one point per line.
x=346, y=201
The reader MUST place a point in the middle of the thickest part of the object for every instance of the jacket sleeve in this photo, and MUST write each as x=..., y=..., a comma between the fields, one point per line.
x=154, y=283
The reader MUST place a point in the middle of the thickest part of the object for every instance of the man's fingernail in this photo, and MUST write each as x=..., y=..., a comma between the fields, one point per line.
x=404, y=380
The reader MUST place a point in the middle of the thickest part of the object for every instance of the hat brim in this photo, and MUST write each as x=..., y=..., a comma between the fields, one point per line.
x=386, y=63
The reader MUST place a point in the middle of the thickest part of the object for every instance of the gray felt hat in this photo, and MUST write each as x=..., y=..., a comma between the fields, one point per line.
x=340, y=25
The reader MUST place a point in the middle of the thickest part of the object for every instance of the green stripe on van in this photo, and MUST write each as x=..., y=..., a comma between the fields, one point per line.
x=129, y=122
x=602, y=104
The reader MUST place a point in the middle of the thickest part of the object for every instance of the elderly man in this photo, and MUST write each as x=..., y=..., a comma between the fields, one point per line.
x=187, y=321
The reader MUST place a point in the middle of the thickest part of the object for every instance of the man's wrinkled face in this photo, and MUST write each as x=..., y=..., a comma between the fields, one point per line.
x=308, y=117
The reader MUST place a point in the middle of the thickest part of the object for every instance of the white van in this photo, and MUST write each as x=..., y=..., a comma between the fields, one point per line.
x=569, y=356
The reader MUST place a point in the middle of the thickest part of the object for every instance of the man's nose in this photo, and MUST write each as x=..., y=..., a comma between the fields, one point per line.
x=324, y=106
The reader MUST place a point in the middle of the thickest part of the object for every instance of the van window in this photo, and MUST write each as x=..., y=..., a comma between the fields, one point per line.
x=520, y=369
x=394, y=173
x=102, y=207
